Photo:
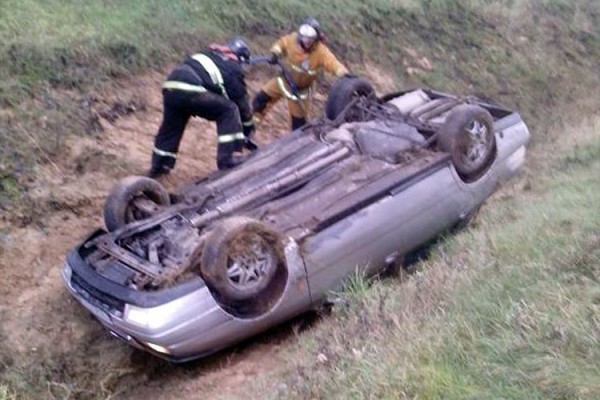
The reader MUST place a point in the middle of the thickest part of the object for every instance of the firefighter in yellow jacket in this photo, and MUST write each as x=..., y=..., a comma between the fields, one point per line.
x=303, y=55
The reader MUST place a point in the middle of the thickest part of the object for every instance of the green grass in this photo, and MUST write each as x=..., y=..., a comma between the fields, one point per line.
x=507, y=309
x=535, y=56
x=5, y=394
x=473, y=45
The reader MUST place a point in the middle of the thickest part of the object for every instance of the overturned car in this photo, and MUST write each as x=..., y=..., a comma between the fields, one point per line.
x=184, y=274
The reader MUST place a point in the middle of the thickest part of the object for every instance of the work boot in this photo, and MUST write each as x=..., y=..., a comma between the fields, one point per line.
x=230, y=161
x=157, y=172
x=298, y=122
x=250, y=145
x=160, y=165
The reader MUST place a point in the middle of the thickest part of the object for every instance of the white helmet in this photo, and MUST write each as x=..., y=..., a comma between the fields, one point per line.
x=307, y=35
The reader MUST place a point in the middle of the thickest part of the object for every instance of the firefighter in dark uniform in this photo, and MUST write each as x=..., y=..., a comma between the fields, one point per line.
x=209, y=85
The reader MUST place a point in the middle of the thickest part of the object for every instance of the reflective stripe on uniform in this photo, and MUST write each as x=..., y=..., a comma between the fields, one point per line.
x=277, y=50
x=164, y=153
x=311, y=72
x=248, y=123
x=184, y=86
x=212, y=70
x=232, y=137
x=288, y=94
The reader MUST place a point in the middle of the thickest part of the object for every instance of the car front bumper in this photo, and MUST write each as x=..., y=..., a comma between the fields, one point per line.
x=183, y=322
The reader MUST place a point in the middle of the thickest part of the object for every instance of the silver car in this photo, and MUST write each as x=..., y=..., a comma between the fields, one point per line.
x=184, y=274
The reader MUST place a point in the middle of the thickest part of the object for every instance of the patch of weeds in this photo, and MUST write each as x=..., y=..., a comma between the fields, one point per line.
x=26, y=62
x=6, y=363
x=12, y=91
x=126, y=58
x=583, y=156
x=64, y=375
x=71, y=68
x=9, y=190
x=353, y=290
x=93, y=159
x=121, y=108
x=585, y=263
x=6, y=393
x=125, y=54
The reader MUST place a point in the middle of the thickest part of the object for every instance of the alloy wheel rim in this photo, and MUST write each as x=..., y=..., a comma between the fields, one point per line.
x=476, y=144
x=251, y=267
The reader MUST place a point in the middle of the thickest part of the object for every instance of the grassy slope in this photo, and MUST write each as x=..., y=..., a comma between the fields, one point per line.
x=507, y=309
x=538, y=56
x=54, y=55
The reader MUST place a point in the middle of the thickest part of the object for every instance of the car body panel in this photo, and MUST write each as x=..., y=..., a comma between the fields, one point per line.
x=339, y=210
x=194, y=324
x=365, y=239
x=428, y=207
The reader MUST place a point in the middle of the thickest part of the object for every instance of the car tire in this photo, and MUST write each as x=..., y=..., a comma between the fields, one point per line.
x=120, y=207
x=241, y=257
x=342, y=93
x=468, y=135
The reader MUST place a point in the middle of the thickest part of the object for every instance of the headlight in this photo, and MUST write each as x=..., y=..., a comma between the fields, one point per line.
x=155, y=317
x=137, y=316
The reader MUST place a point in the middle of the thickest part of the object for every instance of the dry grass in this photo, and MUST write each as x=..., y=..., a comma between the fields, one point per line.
x=428, y=339
x=54, y=64
x=506, y=309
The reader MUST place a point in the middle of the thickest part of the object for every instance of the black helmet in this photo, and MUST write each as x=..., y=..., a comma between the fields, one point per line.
x=240, y=48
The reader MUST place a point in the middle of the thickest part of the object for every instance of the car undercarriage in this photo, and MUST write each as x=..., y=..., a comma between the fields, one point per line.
x=372, y=180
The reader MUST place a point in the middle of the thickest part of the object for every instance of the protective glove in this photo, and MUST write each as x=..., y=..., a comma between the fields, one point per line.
x=273, y=59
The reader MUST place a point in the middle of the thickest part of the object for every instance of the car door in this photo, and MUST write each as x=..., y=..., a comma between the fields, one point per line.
x=397, y=223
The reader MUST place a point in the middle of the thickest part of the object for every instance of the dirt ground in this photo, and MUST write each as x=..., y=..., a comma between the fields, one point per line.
x=40, y=321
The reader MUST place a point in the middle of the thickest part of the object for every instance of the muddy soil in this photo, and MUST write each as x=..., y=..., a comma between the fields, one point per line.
x=42, y=325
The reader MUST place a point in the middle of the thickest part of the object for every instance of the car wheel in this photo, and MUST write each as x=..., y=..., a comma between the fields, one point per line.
x=240, y=258
x=133, y=199
x=468, y=135
x=342, y=93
